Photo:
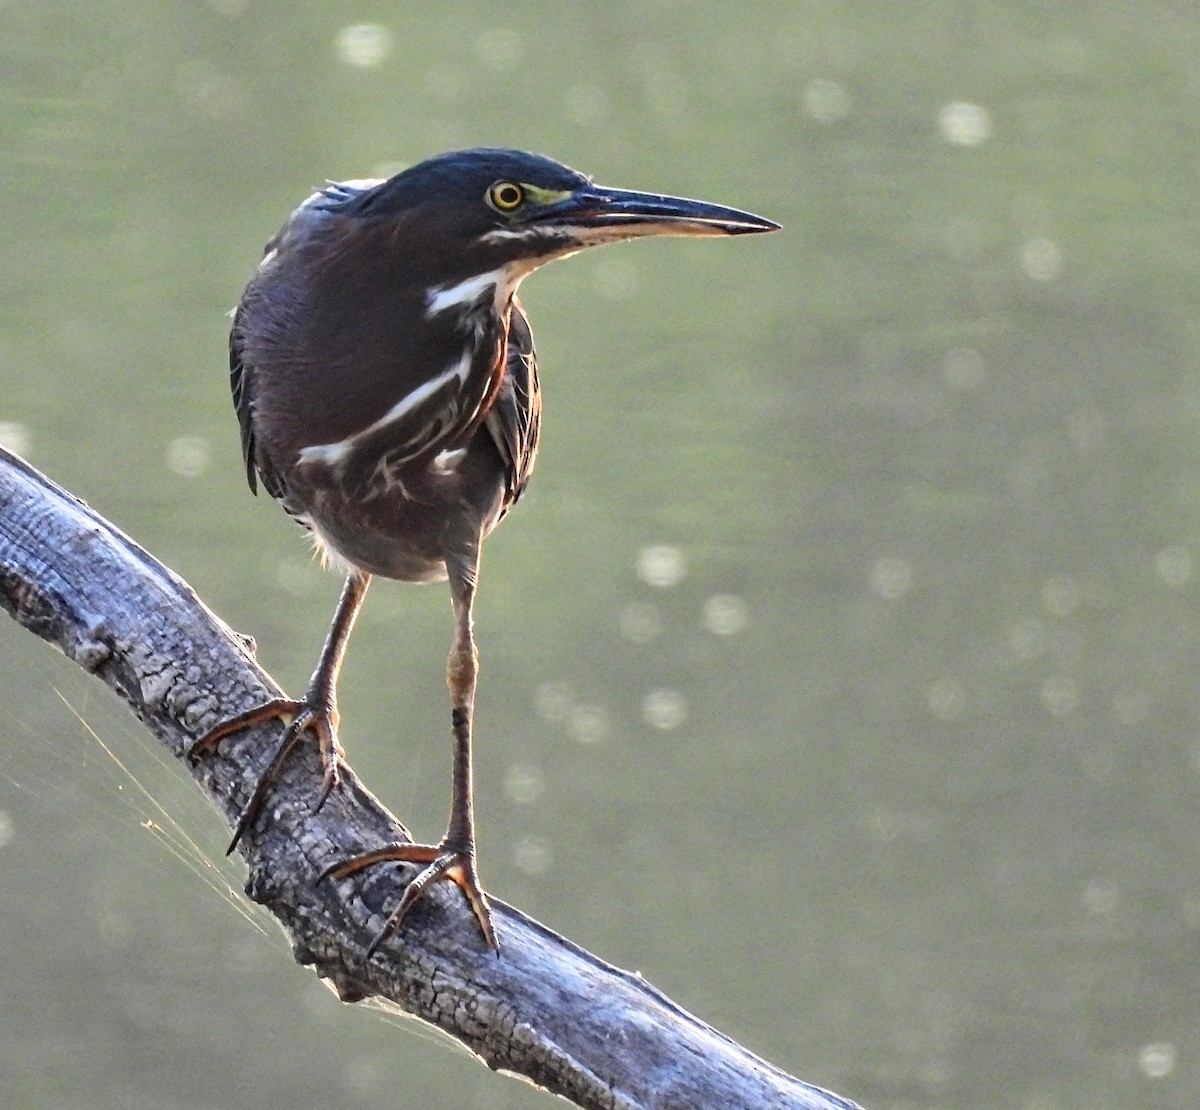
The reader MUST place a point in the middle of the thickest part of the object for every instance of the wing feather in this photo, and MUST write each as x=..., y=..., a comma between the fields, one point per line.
x=241, y=381
x=515, y=419
x=242, y=375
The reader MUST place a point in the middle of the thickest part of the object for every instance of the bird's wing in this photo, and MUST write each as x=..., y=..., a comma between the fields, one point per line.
x=515, y=419
x=242, y=375
x=241, y=381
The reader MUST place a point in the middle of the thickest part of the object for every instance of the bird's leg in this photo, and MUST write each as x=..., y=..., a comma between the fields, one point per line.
x=454, y=857
x=316, y=712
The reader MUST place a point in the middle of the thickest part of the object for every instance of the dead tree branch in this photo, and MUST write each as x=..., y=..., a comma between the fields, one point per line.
x=545, y=1009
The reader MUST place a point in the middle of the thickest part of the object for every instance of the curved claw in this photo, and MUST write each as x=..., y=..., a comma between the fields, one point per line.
x=282, y=709
x=443, y=860
x=300, y=717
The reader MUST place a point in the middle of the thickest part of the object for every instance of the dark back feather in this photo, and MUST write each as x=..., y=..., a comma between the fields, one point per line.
x=241, y=381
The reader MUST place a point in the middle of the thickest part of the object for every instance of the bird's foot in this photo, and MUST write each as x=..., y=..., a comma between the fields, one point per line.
x=314, y=714
x=447, y=860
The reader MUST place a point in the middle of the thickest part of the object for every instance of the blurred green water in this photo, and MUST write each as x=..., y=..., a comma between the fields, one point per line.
x=839, y=669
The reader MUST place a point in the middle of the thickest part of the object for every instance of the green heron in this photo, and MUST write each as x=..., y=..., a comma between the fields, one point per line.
x=384, y=378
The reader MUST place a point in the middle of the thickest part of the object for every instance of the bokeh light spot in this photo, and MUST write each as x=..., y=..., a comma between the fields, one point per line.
x=1173, y=565
x=946, y=698
x=964, y=124
x=826, y=101
x=891, y=578
x=1042, y=259
x=1157, y=1060
x=499, y=48
x=1059, y=695
x=363, y=45
x=725, y=615
x=532, y=855
x=524, y=783
x=554, y=701
x=587, y=724
x=188, y=456
x=664, y=709
x=661, y=565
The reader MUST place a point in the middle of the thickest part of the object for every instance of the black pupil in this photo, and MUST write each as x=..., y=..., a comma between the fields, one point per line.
x=508, y=195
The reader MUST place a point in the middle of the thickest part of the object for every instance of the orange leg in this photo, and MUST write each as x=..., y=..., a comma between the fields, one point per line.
x=454, y=856
x=316, y=712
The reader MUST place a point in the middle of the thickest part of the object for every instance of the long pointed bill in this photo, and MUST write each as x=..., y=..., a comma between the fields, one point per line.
x=597, y=215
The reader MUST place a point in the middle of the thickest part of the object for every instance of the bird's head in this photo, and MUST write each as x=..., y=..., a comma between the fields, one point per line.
x=476, y=210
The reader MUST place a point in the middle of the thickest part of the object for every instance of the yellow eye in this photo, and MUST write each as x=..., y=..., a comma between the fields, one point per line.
x=505, y=196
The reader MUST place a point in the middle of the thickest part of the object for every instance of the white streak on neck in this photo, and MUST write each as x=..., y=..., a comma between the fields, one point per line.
x=464, y=293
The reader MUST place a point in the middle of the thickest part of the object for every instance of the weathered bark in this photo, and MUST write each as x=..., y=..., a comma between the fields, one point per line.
x=544, y=1008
